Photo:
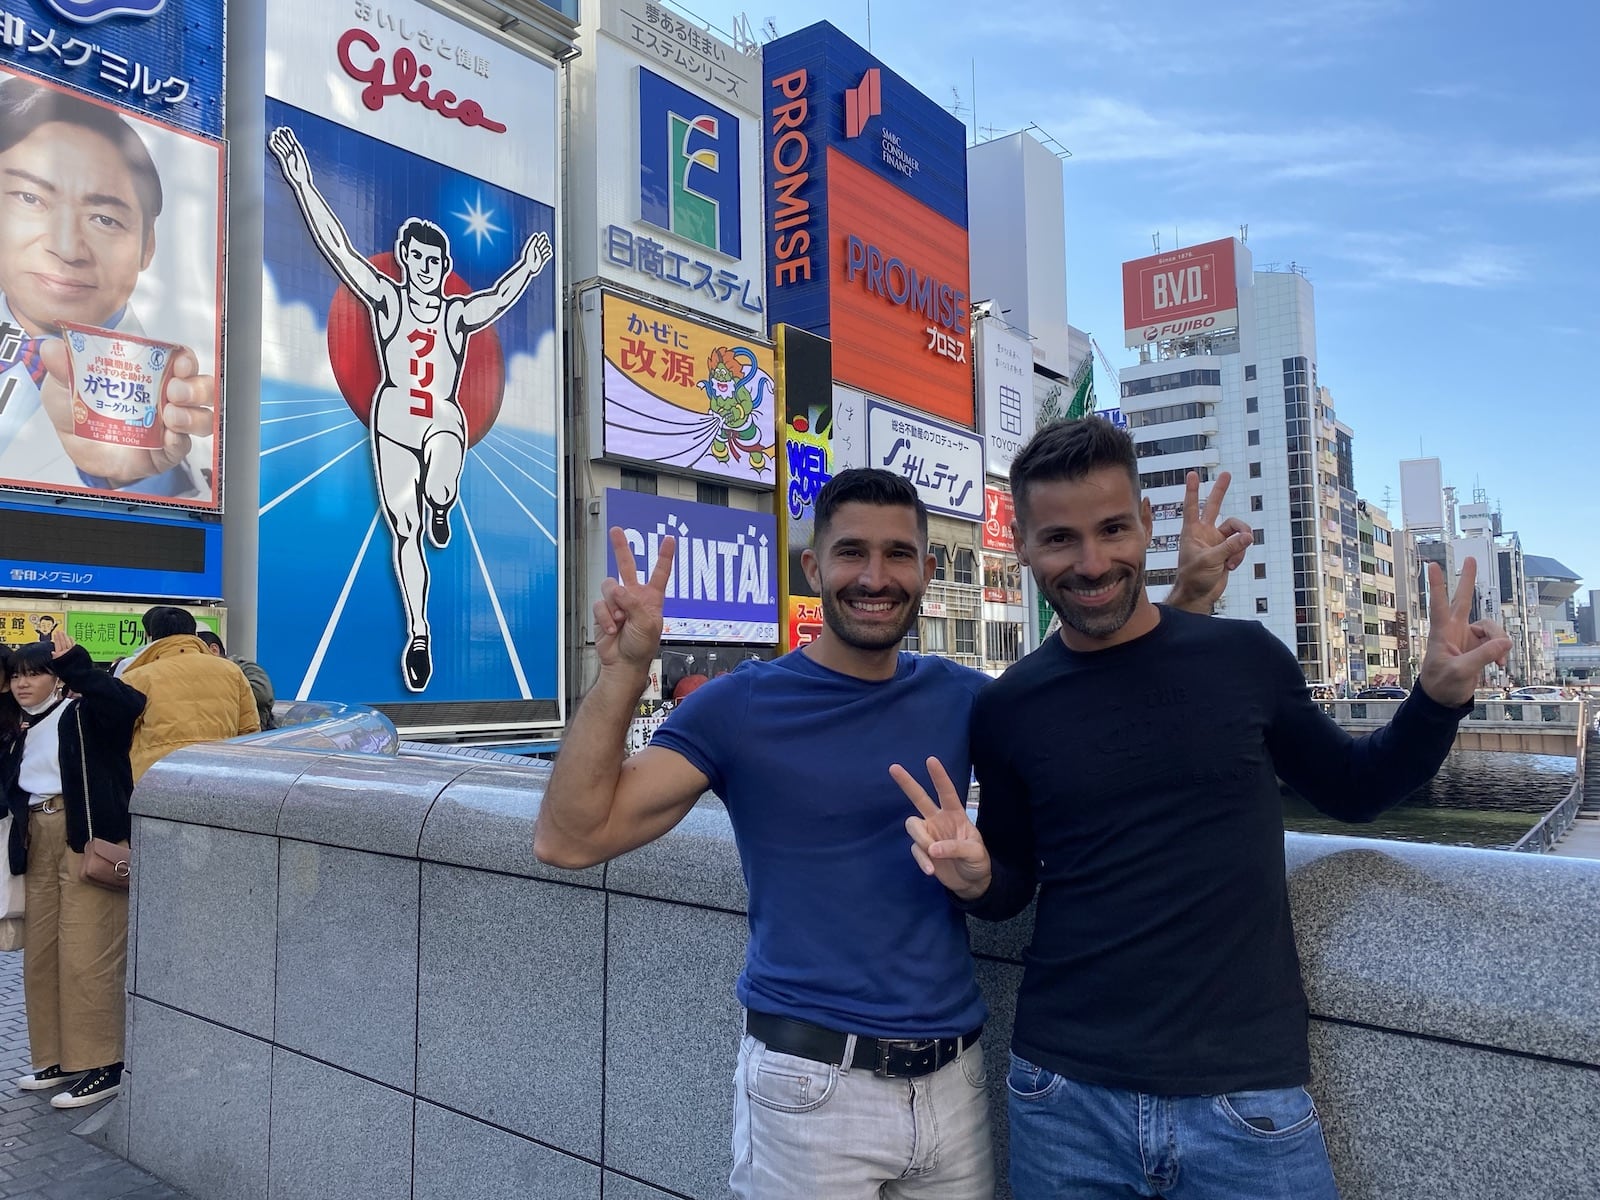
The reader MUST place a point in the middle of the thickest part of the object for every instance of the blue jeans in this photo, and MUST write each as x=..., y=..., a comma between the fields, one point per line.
x=1071, y=1139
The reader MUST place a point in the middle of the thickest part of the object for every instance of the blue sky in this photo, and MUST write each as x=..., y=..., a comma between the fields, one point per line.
x=1434, y=165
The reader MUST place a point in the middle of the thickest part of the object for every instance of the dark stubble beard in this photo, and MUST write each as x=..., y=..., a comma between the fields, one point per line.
x=1096, y=622
x=842, y=624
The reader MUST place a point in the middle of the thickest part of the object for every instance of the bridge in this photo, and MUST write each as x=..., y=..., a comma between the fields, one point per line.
x=1518, y=726
x=348, y=974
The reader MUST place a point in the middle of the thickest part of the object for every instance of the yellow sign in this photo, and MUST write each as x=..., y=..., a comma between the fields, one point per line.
x=687, y=395
x=19, y=627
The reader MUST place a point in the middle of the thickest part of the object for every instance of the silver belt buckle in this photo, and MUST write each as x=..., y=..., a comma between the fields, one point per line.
x=887, y=1046
x=49, y=807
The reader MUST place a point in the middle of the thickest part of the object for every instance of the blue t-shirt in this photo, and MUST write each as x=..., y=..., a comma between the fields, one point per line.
x=845, y=929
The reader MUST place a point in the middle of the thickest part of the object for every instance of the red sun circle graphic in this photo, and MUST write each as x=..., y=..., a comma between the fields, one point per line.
x=353, y=354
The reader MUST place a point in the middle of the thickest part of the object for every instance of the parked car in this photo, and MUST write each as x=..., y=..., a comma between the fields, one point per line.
x=1489, y=693
x=1381, y=693
x=1536, y=692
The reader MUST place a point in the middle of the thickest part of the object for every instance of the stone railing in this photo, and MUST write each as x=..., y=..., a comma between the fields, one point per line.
x=349, y=977
x=1520, y=726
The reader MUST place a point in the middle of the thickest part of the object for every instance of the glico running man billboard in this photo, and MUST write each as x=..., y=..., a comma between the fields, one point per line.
x=111, y=249
x=410, y=537
x=866, y=196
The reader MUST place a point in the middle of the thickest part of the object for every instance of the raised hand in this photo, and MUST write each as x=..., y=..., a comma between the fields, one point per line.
x=1207, y=550
x=291, y=157
x=538, y=253
x=1458, y=648
x=60, y=642
x=944, y=840
x=627, y=617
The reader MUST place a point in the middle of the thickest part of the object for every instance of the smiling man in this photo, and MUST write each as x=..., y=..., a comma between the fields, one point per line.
x=860, y=1073
x=79, y=198
x=1129, y=770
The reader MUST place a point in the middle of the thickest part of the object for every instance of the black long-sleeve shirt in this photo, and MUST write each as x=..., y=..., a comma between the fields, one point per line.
x=1135, y=786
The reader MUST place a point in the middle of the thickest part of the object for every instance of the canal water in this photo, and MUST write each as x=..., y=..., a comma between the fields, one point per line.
x=1478, y=798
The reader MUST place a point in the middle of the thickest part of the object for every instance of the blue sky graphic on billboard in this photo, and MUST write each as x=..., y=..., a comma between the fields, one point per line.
x=724, y=585
x=688, y=165
x=164, y=59
x=440, y=581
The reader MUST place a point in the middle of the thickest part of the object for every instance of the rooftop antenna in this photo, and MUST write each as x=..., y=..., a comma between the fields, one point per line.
x=974, y=101
x=1155, y=240
x=1244, y=233
x=869, y=24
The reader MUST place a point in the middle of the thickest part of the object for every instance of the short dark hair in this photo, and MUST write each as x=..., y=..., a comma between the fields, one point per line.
x=867, y=485
x=418, y=230
x=36, y=658
x=25, y=106
x=211, y=639
x=164, y=621
x=1070, y=450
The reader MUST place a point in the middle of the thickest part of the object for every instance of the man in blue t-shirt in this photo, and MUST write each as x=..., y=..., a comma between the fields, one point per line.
x=860, y=1073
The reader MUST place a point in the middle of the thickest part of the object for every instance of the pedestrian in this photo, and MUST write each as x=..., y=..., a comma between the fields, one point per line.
x=861, y=1072
x=260, y=682
x=1160, y=1044
x=67, y=773
x=194, y=696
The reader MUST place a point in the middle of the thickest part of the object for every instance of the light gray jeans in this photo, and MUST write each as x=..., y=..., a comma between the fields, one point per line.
x=804, y=1130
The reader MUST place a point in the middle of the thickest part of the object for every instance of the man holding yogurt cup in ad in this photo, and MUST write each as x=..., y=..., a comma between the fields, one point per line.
x=79, y=197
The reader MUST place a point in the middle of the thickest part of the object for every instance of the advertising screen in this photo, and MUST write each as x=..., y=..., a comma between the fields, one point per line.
x=943, y=463
x=675, y=165
x=805, y=463
x=683, y=394
x=109, y=346
x=998, y=514
x=84, y=552
x=724, y=582
x=1189, y=291
x=410, y=460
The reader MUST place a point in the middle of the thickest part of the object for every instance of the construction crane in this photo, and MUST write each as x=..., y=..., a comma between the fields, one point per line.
x=1111, y=372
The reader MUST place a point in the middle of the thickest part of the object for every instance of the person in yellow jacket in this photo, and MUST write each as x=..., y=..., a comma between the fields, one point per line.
x=194, y=696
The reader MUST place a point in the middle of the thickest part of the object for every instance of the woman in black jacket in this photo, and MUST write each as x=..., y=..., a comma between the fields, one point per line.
x=68, y=771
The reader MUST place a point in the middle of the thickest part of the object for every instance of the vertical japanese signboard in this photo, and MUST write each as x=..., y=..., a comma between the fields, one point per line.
x=671, y=146
x=805, y=459
x=681, y=393
x=111, y=256
x=1005, y=379
x=410, y=453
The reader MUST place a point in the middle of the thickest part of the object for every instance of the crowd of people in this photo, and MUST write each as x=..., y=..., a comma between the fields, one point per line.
x=74, y=740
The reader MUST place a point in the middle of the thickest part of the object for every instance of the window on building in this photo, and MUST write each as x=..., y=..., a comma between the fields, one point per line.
x=966, y=636
x=1155, y=479
x=711, y=493
x=1261, y=604
x=1257, y=503
x=1261, y=570
x=913, y=639
x=934, y=640
x=1166, y=414
x=941, y=561
x=1252, y=437
x=1167, y=383
x=1161, y=577
x=1370, y=627
x=1255, y=470
x=638, y=481
x=1252, y=404
x=1002, y=641
x=1250, y=371
x=1172, y=445
x=966, y=566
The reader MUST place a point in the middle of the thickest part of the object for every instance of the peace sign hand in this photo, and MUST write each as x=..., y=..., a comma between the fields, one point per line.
x=627, y=617
x=1207, y=551
x=944, y=840
x=1458, y=648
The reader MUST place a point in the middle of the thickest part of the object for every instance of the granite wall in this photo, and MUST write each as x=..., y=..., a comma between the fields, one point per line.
x=349, y=977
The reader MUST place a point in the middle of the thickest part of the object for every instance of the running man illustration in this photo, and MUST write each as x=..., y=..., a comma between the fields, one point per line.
x=419, y=433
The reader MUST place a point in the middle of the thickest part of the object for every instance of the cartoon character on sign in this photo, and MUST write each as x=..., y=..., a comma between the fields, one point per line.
x=421, y=327
x=735, y=386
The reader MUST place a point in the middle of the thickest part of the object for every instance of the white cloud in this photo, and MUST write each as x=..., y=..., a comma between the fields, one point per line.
x=533, y=396
x=294, y=341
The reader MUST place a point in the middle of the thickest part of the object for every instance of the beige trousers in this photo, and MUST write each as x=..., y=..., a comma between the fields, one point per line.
x=74, y=957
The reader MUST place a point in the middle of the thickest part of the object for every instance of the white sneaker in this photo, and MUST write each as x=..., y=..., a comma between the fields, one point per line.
x=102, y=1083
x=50, y=1077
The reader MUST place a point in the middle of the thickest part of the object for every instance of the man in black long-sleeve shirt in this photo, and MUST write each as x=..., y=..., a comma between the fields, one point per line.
x=1129, y=774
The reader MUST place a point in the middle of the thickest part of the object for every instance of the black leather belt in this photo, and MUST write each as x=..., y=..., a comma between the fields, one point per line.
x=895, y=1058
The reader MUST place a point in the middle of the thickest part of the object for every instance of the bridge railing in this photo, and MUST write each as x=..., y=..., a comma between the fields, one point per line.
x=1551, y=716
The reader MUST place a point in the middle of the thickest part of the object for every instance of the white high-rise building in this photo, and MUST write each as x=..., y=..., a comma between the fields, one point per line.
x=1229, y=383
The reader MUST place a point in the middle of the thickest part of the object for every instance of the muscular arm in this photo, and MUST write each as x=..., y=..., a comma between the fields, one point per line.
x=362, y=277
x=486, y=307
x=597, y=806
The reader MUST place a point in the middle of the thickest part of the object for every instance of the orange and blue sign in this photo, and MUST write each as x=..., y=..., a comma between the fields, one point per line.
x=867, y=221
x=688, y=165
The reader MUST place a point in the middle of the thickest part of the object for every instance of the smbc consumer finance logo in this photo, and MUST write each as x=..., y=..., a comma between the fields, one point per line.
x=87, y=12
x=688, y=165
